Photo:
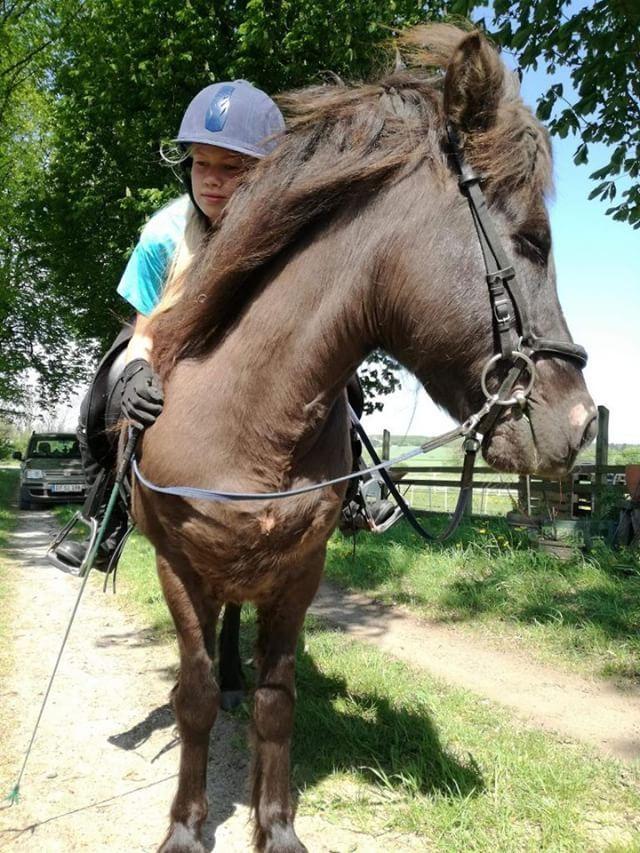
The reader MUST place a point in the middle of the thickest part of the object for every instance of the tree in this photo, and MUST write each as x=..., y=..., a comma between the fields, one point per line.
x=599, y=44
x=118, y=77
x=33, y=327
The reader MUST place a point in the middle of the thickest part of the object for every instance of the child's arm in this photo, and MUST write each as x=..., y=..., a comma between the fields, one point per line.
x=141, y=343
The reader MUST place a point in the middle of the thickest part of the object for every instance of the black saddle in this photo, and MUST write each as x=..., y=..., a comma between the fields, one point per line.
x=103, y=405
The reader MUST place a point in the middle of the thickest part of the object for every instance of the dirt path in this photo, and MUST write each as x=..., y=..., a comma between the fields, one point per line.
x=595, y=711
x=102, y=772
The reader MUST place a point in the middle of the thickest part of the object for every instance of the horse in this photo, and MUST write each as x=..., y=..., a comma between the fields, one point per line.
x=352, y=236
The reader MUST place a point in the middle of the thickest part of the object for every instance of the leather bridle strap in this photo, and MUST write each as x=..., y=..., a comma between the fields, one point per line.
x=504, y=289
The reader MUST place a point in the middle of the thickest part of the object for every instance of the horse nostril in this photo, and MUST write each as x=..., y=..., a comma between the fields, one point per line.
x=590, y=432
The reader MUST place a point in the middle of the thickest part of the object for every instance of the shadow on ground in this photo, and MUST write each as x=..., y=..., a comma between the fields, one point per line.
x=381, y=745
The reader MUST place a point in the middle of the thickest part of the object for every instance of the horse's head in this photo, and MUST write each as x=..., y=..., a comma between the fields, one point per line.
x=454, y=327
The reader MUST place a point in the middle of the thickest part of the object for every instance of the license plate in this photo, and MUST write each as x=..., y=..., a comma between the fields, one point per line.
x=66, y=487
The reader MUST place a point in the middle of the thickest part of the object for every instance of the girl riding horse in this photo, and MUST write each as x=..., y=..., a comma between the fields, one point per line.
x=225, y=130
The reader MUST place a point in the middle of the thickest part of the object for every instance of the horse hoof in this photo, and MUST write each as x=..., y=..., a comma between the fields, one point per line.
x=181, y=840
x=283, y=839
x=230, y=699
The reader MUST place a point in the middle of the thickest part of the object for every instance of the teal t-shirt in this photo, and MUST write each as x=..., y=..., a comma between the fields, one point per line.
x=144, y=277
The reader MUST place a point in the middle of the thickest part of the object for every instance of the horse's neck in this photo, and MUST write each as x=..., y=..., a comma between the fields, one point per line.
x=290, y=355
x=365, y=280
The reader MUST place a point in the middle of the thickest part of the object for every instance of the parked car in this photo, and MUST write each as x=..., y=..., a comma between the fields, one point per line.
x=51, y=470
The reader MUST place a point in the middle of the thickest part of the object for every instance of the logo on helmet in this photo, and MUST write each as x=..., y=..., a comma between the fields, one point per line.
x=216, y=117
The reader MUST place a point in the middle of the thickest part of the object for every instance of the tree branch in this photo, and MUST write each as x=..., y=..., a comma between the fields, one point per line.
x=11, y=69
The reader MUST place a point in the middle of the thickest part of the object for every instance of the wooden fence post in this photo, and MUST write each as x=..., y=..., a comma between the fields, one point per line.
x=385, y=455
x=602, y=459
x=524, y=494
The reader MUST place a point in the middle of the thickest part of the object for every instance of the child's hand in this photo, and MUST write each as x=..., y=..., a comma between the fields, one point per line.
x=142, y=397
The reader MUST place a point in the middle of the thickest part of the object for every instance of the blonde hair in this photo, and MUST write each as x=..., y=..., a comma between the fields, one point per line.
x=194, y=234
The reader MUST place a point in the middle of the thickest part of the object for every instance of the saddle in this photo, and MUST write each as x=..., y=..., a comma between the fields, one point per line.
x=100, y=414
x=103, y=409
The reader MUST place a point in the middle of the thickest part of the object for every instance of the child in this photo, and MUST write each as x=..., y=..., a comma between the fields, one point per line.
x=226, y=128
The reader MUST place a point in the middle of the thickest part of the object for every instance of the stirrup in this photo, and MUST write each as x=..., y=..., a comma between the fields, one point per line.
x=363, y=511
x=361, y=499
x=52, y=557
x=387, y=524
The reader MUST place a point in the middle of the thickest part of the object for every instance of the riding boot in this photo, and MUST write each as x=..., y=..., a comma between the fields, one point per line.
x=71, y=552
x=358, y=513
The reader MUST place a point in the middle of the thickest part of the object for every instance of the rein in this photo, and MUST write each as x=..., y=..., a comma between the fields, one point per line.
x=214, y=495
x=511, y=321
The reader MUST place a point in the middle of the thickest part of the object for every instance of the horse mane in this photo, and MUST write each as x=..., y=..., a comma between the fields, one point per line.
x=344, y=141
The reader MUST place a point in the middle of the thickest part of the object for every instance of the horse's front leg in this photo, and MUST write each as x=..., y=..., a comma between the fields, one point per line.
x=195, y=699
x=279, y=625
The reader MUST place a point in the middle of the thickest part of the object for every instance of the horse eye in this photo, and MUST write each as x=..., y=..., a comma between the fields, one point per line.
x=534, y=245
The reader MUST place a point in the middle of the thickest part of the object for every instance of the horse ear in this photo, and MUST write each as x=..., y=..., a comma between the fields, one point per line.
x=473, y=85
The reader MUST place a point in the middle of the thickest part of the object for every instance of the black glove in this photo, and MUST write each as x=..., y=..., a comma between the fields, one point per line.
x=142, y=397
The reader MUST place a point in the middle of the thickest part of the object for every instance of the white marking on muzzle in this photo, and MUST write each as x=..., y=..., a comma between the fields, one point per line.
x=579, y=415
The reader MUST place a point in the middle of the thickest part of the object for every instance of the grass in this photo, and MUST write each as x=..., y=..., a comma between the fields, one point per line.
x=583, y=614
x=384, y=749
x=402, y=752
x=9, y=479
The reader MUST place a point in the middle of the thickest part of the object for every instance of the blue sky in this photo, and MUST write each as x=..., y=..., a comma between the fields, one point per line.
x=598, y=266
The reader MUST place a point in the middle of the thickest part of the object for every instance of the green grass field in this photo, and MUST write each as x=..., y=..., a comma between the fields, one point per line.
x=583, y=614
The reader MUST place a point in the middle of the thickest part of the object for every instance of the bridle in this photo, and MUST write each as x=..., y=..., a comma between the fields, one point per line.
x=518, y=346
x=507, y=300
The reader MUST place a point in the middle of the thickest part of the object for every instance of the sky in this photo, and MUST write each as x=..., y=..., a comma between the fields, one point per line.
x=598, y=270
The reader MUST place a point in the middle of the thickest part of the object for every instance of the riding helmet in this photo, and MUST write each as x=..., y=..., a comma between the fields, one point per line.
x=233, y=115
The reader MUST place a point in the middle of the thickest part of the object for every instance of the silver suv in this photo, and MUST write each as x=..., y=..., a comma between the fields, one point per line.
x=51, y=470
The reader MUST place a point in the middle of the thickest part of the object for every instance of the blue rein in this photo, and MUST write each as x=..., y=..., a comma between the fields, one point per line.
x=214, y=495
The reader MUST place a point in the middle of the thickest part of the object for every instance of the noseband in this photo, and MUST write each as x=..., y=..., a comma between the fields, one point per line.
x=518, y=346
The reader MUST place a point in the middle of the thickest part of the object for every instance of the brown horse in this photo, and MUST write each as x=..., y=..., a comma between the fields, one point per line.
x=353, y=235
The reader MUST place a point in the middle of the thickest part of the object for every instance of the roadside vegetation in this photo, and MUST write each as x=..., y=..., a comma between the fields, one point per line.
x=583, y=614
x=8, y=517
x=382, y=748
x=9, y=476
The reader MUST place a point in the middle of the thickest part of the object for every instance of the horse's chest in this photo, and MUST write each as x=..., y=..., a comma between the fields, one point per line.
x=241, y=552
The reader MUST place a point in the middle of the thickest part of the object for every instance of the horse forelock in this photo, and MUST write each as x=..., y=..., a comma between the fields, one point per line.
x=343, y=142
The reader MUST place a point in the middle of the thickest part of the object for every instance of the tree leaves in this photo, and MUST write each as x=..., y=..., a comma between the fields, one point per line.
x=599, y=44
